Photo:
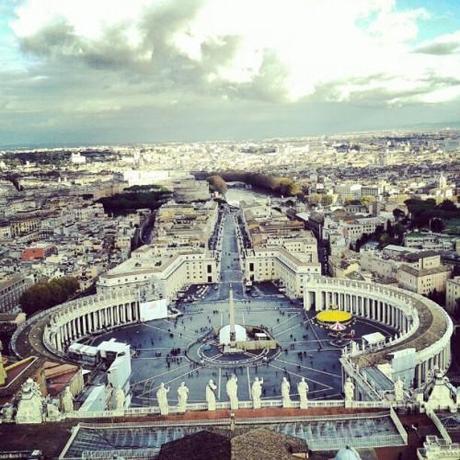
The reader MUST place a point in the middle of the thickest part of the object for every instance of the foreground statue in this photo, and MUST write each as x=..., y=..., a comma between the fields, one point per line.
x=256, y=391
x=399, y=390
x=182, y=396
x=349, y=390
x=302, y=389
x=211, y=395
x=67, y=400
x=119, y=399
x=30, y=406
x=285, y=392
x=162, y=398
x=232, y=391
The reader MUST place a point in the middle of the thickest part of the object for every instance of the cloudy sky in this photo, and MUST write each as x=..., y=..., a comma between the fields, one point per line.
x=111, y=71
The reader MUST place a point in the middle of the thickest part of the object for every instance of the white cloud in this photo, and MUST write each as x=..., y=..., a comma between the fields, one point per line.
x=314, y=43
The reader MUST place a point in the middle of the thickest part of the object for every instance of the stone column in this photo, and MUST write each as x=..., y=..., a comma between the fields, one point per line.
x=317, y=300
x=79, y=326
x=84, y=324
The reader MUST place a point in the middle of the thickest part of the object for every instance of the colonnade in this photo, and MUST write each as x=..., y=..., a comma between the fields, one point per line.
x=87, y=316
x=410, y=314
x=382, y=311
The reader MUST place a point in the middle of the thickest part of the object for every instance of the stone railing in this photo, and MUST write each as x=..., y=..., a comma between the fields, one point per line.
x=224, y=405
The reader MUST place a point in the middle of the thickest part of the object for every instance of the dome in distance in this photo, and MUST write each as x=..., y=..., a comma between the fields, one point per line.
x=347, y=453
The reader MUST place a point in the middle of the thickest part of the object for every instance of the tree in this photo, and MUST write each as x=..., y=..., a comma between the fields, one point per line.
x=438, y=297
x=217, y=184
x=367, y=200
x=384, y=240
x=447, y=205
x=326, y=200
x=398, y=214
x=437, y=225
x=379, y=229
x=44, y=295
x=314, y=198
x=390, y=229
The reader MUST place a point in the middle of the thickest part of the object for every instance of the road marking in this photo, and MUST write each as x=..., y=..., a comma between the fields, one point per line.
x=299, y=375
x=308, y=368
x=286, y=320
x=219, y=383
x=289, y=329
x=249, y=383
x=190, y=336
x=160, y=375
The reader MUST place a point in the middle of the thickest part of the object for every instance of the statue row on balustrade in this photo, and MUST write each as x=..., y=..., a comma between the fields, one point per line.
x=232, y=393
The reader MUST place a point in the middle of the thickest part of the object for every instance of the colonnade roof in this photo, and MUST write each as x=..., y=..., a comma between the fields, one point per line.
x=433, y=325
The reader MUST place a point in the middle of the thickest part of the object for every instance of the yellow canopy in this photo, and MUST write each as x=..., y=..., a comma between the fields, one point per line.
x=333, y=316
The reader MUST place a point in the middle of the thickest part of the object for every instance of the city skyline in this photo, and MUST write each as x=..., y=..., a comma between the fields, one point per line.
x=75, y=73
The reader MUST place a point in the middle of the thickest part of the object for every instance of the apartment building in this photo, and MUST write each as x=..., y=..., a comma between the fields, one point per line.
x=453, y=294
x=423, y=273
x=177, y=258
x=11, y=288
x=278, y=249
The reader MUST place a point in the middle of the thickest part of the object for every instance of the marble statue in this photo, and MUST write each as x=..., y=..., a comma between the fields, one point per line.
x=119, y=399
x=302, y=389
x=285, y=392
x=52, y=411
x=67, y=400
x=256, y=391
x=232, y=391
x=30, y=406
x=399, y=390
x=211, y=395
x=162, y=398
x=349, y=390
x=3, y=375
x=182, y=396
x=8, y=413
x=442, y=394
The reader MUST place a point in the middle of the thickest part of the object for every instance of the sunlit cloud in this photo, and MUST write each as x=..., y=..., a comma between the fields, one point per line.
x=109, y=55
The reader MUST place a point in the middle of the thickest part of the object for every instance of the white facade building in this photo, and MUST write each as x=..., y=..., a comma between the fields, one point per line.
x=453, y=294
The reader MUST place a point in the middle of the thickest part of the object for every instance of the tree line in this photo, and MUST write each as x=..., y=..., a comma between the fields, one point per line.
x=47, y=294
x=126, y=202
x=276, y=185
x=426, y=213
